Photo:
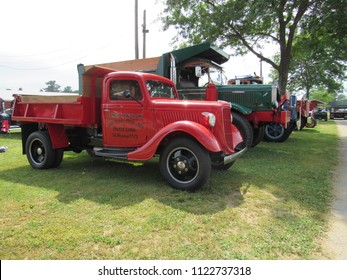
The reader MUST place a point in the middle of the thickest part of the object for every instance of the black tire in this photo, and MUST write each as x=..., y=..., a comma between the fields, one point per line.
x=303, y=122
x=312, y=124
x=59, y=154
x=275, y=132
x=258, y=135
x=246, y=130
x=185, y=165
x=39, y=150
x=91, y=152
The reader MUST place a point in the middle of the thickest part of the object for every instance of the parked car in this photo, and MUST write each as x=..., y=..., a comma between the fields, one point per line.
x=321, y=114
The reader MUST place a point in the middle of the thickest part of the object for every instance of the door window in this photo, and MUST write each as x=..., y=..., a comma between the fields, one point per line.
x=119, y=88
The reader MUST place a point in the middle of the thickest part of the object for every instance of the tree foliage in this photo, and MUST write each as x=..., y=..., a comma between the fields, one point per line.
x=248, y=26
x=312, y=68
x=319, y=51
x=68, y=89
x=51, y=86
x=322, y=95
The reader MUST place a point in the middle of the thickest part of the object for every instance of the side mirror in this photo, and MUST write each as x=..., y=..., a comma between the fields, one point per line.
x=198, y=71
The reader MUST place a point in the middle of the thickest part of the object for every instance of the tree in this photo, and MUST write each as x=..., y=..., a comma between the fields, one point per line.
x=313, y=67
x=68, y=89
x=248, y=26
x=319, y=51
x=52, y=86
x=322, y=95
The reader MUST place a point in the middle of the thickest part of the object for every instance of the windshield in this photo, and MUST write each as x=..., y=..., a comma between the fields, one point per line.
x=157, y=89
x=214, y=75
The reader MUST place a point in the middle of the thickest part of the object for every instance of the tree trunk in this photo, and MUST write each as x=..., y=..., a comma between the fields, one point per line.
x=283, y=73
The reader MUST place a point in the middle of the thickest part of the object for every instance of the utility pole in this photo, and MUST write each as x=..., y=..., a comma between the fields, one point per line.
x=144, y=31
x=136, y=31
x=261, y=68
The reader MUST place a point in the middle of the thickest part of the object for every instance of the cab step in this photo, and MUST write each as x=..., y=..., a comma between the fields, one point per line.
x=121, y=153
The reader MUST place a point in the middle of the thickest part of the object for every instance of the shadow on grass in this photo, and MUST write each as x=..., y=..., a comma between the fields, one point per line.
x=299, y=169
x=285, y=170
x=120, y=184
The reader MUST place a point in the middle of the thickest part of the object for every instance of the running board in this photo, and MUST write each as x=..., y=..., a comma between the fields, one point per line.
x=113, y=153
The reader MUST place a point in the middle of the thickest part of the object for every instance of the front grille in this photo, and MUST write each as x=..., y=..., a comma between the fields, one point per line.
x=171, y=116
x=227, y=126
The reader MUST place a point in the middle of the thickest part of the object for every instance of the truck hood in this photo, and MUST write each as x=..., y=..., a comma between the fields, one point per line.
x=196, y=104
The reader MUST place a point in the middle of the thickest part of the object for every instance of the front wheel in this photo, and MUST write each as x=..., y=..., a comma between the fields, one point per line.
x=311, y=124
x=185, y=165
x=245, y=129
x=275, y=132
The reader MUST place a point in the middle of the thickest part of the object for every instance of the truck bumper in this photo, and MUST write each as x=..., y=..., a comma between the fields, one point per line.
x=233, y=157
x=282, y=117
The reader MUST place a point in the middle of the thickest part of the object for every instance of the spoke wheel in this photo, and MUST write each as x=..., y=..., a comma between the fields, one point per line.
x=276, y=132
x=185, y=164
x=39, y=150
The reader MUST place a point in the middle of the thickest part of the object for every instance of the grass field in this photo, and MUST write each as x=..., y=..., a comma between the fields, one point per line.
x=272, y=204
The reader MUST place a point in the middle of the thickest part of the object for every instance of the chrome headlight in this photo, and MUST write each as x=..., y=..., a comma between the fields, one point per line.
x=209, y=119
x=274, y=104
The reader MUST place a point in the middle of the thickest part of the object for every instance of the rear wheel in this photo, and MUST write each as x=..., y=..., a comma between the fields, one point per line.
x=185, y=164
x=39, y=150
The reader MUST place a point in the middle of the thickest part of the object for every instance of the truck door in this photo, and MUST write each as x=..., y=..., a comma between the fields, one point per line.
x=123, y=119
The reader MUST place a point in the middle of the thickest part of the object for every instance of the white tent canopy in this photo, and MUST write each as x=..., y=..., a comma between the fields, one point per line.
x=7, y=94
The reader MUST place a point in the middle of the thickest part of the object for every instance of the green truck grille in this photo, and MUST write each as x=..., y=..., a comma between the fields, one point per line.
x=257, y=97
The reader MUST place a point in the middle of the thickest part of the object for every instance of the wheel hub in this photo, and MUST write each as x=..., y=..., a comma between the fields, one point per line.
x=39, y=151
x=181, y=165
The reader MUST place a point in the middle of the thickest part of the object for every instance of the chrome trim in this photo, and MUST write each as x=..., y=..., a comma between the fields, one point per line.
x=233, y=157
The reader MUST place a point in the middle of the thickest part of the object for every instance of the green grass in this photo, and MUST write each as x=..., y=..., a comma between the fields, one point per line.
x=272, y=204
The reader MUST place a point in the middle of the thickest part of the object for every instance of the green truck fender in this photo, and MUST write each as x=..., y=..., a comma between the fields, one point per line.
x=241, y=109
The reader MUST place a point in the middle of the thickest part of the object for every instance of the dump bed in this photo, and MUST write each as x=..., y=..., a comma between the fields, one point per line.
x=67, y=109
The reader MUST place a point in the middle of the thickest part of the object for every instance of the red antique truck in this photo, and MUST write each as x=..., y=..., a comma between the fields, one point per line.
x=4, y=118
x=130, y=116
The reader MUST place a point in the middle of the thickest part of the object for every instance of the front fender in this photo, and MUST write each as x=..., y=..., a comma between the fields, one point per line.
x=240, y=108
x=197, y=131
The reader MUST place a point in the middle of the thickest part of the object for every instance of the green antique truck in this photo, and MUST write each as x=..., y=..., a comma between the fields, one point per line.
x=338, y=109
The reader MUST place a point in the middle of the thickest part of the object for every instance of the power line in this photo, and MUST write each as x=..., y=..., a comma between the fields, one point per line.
x=41, y=54
x=56, y=65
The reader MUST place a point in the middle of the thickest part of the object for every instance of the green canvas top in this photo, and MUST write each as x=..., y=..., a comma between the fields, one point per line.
x=204, y=50
x=338, y=104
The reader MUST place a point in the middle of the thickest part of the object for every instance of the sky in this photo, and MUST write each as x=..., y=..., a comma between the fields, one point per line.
x=43, y=40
